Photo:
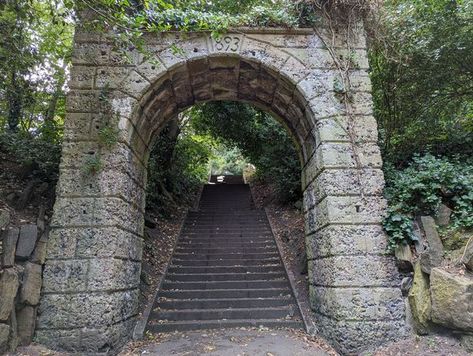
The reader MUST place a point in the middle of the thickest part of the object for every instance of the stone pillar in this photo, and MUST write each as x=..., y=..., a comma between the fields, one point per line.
x=92, y=272
x=354, y=285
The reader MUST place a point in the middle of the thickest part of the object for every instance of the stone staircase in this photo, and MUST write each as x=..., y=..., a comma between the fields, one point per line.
x=226, y=270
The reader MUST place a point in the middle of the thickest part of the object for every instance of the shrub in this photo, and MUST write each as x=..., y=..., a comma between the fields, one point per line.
x=421, y=187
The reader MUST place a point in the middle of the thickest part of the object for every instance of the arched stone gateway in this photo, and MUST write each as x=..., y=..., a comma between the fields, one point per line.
x=92, y=274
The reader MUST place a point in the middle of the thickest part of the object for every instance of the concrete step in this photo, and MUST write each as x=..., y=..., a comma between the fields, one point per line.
x=281, y=312
x=223, y=303
x=221, y=250
x=238, y=284
x=225, y=293
x=225, y=269
x=229, y=256
x=227, y=263
x=198, y=277
x=217, y=324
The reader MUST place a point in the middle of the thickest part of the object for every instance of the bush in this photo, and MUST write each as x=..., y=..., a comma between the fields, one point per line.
x=43, y=155
x=421, y=187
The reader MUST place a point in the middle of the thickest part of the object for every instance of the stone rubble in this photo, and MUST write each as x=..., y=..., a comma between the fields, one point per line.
x=22, y=257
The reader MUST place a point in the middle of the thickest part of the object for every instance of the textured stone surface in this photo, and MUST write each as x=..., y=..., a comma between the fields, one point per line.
x=442, y=218
x=419, y=300
x=26, y=320
x=26, y=241
x=433, y=256
x=4, y=218
x=93, y=260
x=31, y=285
x=8, y=287
x=467, y=342
x=467, y=255
x=4, y=334
x=10, y=239
x=452, y=299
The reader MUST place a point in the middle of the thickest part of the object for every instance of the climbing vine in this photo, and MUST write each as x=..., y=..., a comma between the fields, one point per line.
x=344, y=17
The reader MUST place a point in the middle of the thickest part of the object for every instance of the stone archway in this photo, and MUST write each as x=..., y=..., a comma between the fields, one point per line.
x=91, y=278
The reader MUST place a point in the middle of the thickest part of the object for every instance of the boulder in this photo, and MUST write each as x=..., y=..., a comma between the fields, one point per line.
x=442, y=218
x=10, y=238
x=419, y=300
x=26, y=241
x=31, y=288
x=433, y=255
x=9, y=283
x=452, y=299
x=26, y=318
x=4, y=336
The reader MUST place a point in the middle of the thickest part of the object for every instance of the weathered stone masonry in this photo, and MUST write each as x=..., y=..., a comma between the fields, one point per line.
x=91, y=278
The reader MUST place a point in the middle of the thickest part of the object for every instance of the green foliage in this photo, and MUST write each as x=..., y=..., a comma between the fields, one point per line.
x=177, y=167
x=92, y=164
x=108, y=136
x=227, y=160
x=421, y=187
x=259, y=137
x=422, y=73
x=42, y=155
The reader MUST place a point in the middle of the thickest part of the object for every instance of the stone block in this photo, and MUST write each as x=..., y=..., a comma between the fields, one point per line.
x=113, y=274
x=70, y=311
x=4, y=219
x=26, y=241
x=346, y=210
x=341, y=182
x=40, y=251
x=355, y=337
x=97, y=242
x=345, y=239
x=433, y=256
x=97, y=212
x=358, y=303
x=26, y=320
x=88, y=340
x=9, y=283
x=467, y=256
x=443, y=215
x=341, y=129
x=31, y=285
x=82, y=77
x=75, y=182
x=354, y=271
x=4, y=336
x=10, y=239
x=452, y=299
x=466, y=341
x=65, y=276
x=419, y=300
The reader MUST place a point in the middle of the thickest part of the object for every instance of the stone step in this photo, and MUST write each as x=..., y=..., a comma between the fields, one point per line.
x=226, y=256
x=217, y=324
x=217, y=250
x=225, y=269
x=281, y=312
x=225, y=293
x=238, y=284
x=223, y=303
x=186, y=277
x=226, y=263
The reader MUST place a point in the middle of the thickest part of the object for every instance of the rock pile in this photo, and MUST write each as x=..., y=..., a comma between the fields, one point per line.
x=440, y=294
x=22, y=255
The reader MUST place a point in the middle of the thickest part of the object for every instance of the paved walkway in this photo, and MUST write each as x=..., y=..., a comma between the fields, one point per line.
x=230, y=342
